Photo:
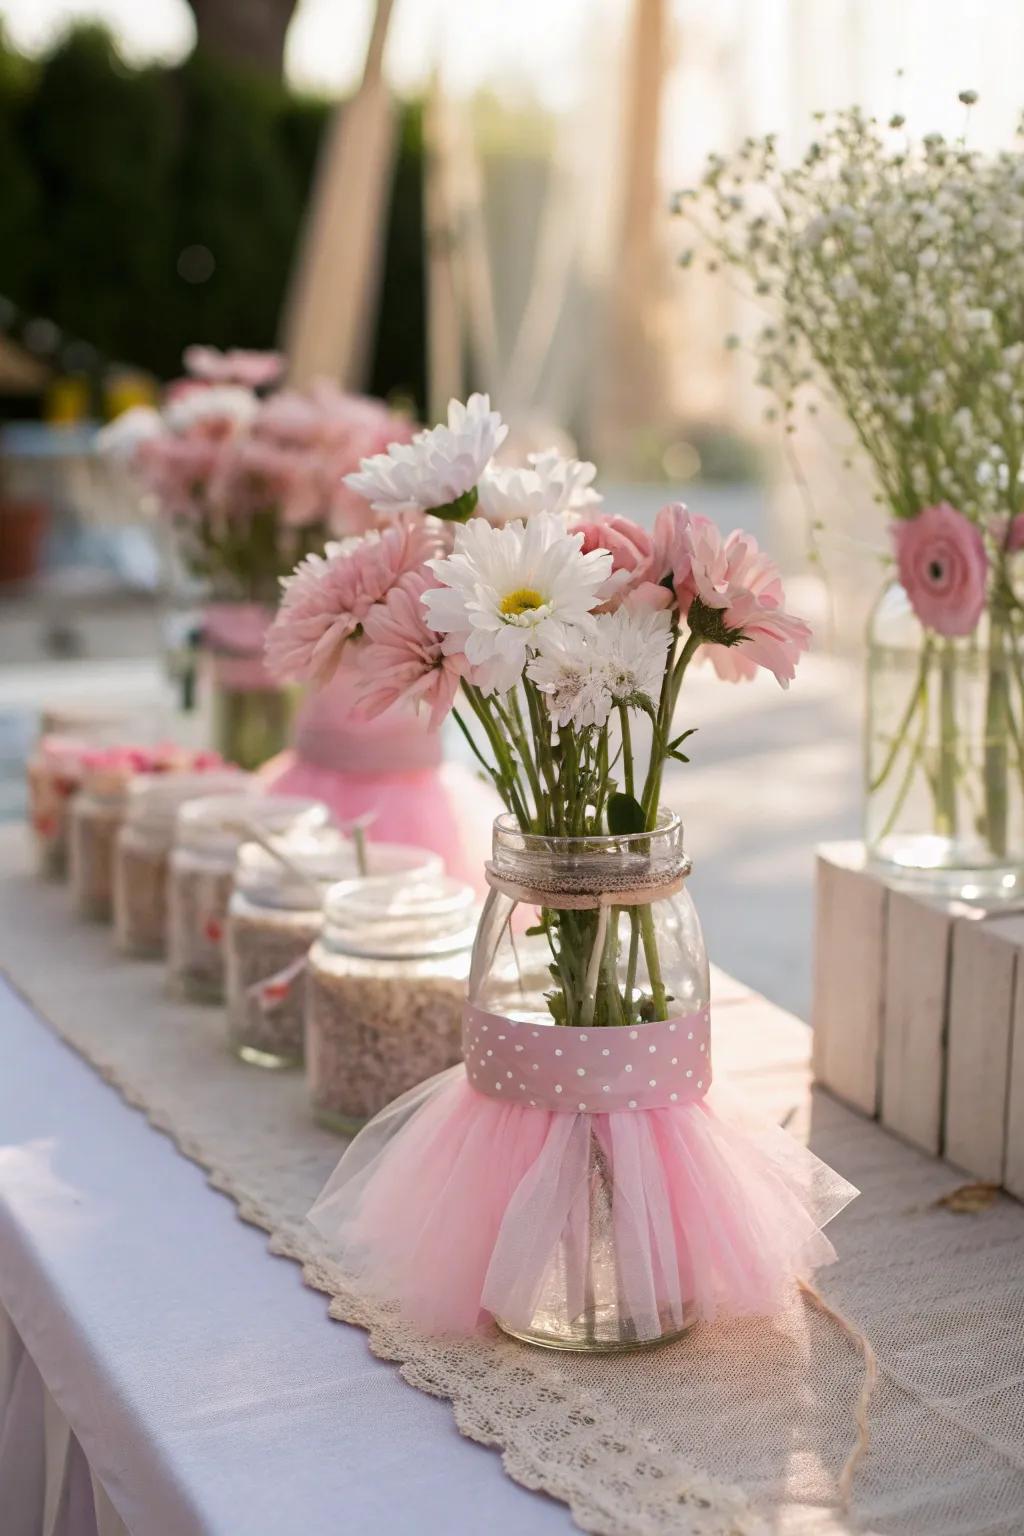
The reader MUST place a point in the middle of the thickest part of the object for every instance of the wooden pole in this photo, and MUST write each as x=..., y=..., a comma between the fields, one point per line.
x=335, y=284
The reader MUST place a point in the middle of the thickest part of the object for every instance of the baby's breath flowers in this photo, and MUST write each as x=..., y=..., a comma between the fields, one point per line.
x=892, y=271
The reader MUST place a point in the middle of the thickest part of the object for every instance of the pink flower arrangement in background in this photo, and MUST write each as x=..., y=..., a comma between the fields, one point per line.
x=253, y=482
x=253, y=369
x=943, y=568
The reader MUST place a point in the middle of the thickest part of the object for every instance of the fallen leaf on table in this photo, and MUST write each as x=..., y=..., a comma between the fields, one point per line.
x=969, y=1199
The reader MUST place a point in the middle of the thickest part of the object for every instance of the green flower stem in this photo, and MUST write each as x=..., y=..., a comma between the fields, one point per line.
x=506, y=764
x=589, y=1001
x=945, y=798
x=906, y=722
x=634, y=954
x=915, y=759
x=650, y=941
x=997, y=705
x=627, y=750
x=666, y=708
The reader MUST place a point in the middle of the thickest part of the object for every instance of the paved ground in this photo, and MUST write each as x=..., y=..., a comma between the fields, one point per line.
x=772, y=773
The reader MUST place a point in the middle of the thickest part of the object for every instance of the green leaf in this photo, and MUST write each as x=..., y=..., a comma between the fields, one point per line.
x=681, y=738
x=625, y=815
x=460, y=510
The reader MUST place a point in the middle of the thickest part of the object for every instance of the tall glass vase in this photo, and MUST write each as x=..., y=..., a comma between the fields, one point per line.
x=944, y=758
x=250, y=714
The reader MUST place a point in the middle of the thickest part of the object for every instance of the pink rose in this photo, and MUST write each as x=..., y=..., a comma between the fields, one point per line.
x=943, y=567
x=632, y=550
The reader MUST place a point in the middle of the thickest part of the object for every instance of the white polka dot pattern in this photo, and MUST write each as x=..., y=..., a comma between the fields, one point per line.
x=650, y=1066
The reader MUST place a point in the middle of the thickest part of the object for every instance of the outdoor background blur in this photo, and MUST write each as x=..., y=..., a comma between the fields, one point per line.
x=169, y=174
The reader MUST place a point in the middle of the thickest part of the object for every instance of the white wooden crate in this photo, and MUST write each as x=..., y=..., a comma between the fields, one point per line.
x=918, y=1015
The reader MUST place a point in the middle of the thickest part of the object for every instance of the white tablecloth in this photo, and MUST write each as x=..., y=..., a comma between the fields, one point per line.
x=205, y=1385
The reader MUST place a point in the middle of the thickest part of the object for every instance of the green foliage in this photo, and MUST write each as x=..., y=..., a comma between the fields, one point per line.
x=142, y=209
x=625, y=815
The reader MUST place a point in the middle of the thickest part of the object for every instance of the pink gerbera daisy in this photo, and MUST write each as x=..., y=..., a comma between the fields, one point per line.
x=731, y=594
x=401, y=660
x=328, y=596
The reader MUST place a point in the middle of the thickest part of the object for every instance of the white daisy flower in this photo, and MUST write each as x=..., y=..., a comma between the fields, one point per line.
x=573, y=679
x=439, y=470
x=570, y=477
x=503, y=587
x=552, y=484
x=211, y=402
x=121, y=438
x=632, y=647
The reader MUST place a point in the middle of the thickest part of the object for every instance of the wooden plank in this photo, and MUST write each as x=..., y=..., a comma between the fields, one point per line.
x=981, y=1006
x=849, y=964
x=1013, y=1172
x=917, y=952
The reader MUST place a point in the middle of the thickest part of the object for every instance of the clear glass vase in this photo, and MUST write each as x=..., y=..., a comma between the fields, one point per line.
x=944, y=758
x=250, y=713
x=589, y=933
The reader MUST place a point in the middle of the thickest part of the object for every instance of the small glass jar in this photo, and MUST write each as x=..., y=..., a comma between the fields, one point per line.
x=590, y=933
x=275, y=914
x=54, y=776
x=143, y=851
x=208, y=834
x=97, y=812
x=385, y=989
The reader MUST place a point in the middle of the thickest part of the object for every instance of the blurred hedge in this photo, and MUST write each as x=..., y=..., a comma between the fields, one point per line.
x=115, y=181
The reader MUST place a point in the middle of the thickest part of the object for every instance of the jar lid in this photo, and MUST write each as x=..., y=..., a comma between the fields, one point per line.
x=155, y=799
x=400, y=917
x=326, y=858
x=217, y=824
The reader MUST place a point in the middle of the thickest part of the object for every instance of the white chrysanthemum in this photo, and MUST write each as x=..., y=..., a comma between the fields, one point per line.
x=632, y=646
x=572, y=677
x=503, y=587
x=211, y=402
x=121, y=438
x=584, y=674
x=438, y=467
x=552, y=484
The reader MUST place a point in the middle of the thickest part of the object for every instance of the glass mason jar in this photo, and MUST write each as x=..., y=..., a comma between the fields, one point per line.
x=590, y=933
x=143, y=850
x=275, y=914
x=97, y=812
x=385, y=991
x=54, y=776
x=250, y=713
x=208, y=834
x=944, y=761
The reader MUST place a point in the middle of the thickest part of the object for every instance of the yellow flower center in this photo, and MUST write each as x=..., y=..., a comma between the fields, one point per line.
x=522, y=600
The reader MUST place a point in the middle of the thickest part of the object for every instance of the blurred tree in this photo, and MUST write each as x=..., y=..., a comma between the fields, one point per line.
x=19, y=202
x=102, y=145
x=247, y=32
x=142, y=209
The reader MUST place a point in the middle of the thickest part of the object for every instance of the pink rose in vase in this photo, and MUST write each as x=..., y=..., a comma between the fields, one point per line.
x=944, y=568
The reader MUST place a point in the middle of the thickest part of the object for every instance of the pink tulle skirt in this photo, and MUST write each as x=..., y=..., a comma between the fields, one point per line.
x=445, y=809
x=389, y=769
x=455, y=1205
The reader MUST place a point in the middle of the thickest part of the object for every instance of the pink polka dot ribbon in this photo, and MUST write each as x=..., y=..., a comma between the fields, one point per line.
x=551, y=1066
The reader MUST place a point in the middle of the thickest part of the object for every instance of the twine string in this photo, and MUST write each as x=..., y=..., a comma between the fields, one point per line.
x=870, y=1380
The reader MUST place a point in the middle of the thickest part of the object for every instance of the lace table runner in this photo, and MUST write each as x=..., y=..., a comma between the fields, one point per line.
x=731, y=1430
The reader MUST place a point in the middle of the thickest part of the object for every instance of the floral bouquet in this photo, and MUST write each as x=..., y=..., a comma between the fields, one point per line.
x=571, y=1179
x=248, y=483
x=893, y=272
